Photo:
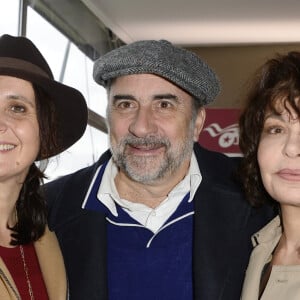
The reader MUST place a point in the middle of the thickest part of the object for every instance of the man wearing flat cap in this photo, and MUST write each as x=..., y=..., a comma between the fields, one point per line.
x=158, y=216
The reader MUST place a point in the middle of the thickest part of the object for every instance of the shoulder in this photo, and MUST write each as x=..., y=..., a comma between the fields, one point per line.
x=224, y=196
x=76, y=181
x=207, y=158
x=216, y=167
x=69, y=183
x=66, y=194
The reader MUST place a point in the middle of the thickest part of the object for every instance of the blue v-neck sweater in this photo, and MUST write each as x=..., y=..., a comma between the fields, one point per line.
x=143, y=265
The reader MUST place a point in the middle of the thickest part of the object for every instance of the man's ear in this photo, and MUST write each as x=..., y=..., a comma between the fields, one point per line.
x=200, y=119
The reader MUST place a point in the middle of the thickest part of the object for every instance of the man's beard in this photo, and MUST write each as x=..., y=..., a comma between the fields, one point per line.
x=149, y=169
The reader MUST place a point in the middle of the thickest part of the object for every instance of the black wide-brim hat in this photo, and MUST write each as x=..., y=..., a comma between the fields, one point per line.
x=20, y=58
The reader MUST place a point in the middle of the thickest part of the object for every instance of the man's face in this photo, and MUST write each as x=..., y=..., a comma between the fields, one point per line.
x=151, y=127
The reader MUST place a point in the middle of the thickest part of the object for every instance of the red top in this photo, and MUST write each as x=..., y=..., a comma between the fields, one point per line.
x=13, y=261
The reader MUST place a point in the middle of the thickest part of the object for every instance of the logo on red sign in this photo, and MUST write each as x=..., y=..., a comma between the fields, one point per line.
x=220, y=132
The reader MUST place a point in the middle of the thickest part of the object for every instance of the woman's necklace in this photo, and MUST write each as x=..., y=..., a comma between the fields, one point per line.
x=26, y=273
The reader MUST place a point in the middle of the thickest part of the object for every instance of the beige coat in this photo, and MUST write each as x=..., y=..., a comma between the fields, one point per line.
x=52, y=267
x=284, y=281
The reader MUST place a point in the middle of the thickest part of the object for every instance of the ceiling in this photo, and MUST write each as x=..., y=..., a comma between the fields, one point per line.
x=202, y=22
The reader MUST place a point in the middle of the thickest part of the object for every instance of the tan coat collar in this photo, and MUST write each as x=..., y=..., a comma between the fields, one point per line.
x=270, y=233
x=264, y=242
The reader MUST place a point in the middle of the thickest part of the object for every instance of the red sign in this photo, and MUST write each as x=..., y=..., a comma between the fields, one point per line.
x=220, y=132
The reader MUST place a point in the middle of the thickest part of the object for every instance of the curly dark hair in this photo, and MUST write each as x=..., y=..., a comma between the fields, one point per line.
x=277, y=79
x=31, y=206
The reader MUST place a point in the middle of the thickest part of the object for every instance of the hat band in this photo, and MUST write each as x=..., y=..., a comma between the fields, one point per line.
x=19, y=64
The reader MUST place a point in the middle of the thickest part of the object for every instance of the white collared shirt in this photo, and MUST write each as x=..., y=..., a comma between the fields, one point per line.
x=151, y=218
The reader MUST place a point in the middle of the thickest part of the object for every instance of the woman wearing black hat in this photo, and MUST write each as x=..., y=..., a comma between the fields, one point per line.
x=39, y=118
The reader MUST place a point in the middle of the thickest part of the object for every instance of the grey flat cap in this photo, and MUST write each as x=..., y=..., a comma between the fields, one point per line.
x=181, y=67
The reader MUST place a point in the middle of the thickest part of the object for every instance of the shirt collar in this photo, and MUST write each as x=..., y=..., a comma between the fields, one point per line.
x=108, y=194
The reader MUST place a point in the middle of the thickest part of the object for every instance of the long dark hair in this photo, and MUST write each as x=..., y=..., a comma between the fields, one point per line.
x=31, y=209
x=277, y=79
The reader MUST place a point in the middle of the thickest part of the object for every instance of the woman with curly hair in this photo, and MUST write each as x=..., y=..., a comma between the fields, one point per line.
x=39, y=118
x=270, y=142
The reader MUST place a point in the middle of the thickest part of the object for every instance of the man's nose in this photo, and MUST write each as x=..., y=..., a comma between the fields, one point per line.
x=143, y=122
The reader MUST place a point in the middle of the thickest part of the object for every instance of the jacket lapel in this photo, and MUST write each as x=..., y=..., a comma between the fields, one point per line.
x=220, y=256
x=223, y=226
x=265, y=243
x=216, y=240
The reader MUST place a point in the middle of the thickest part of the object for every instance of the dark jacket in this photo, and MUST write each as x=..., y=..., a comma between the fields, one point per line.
x=223, y=225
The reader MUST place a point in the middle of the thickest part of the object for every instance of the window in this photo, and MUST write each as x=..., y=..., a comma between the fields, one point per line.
x=72, y=67
x=9, y=15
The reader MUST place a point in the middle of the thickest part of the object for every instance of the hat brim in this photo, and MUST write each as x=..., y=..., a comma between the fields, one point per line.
x=70, y=106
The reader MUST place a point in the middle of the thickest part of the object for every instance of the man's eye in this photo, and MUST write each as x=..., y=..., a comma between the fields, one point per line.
x=165, y=104
x=124, y=105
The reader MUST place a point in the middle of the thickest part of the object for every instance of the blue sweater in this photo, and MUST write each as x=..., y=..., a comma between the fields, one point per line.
x=144, y=265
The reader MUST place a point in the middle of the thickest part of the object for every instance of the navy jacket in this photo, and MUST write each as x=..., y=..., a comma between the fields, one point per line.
x=223, y=225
